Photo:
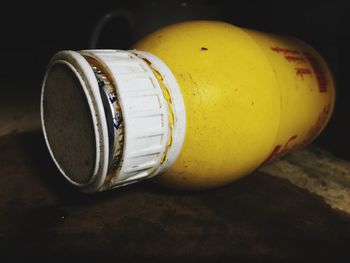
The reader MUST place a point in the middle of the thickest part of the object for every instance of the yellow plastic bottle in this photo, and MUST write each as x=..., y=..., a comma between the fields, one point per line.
x=225, y=100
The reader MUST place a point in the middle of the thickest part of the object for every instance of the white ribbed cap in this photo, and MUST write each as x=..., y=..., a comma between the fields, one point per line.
x=76, y=120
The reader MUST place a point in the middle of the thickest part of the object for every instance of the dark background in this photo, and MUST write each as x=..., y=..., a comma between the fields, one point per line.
x=31, y=34
x=259, y=218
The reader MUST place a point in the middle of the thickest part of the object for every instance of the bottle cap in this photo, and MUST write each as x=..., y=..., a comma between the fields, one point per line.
x=111, y=117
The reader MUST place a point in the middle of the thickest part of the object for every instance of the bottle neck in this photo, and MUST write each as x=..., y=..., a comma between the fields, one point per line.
x=175, y=103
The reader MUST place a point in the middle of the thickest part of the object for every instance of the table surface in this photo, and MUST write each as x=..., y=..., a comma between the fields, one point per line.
x=258, y=218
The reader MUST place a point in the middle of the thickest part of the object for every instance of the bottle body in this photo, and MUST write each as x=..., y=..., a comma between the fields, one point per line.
x=195, y=105
x=250, y=97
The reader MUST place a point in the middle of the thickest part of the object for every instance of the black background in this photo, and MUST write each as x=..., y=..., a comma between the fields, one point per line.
x=32, y=33
x=259, y=218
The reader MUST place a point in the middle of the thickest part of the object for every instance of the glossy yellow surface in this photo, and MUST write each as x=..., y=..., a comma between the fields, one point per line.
x=249, y=97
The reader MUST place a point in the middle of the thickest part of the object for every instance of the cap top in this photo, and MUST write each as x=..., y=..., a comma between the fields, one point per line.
x=68, y=123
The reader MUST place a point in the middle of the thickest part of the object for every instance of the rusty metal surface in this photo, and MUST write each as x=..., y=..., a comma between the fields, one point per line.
x=259, y=218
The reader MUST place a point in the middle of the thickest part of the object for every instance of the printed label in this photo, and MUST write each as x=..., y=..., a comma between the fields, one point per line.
x=320, y=75
x=303, y=61
x=320, y=122
x=280, y=149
